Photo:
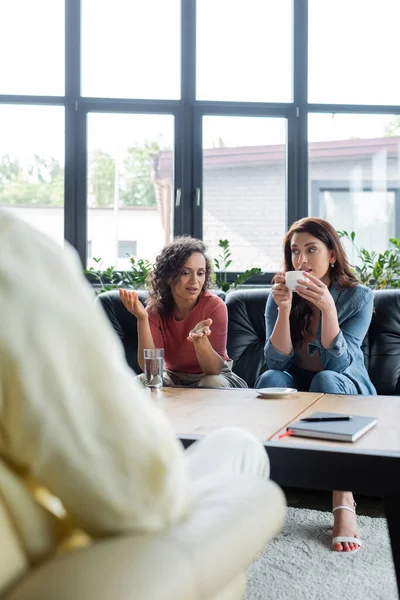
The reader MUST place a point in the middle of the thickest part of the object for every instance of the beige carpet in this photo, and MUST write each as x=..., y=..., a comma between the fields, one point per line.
x=299, y=564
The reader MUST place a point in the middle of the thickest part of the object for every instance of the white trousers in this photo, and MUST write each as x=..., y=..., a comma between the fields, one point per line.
x=227, y=451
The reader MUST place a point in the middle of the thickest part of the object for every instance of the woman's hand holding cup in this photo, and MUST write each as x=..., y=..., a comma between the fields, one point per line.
x=281, y=293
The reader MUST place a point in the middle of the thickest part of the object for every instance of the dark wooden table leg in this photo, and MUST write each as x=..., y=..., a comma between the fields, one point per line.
x=392, y=511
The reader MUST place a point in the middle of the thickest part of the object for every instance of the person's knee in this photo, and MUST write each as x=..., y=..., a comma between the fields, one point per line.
x=326, y=382
x=273, y=378
x=250, y=454
x=213, y=381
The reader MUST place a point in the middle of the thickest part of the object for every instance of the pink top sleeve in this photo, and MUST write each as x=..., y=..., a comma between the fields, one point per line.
x=219, y=327
x=155, y=328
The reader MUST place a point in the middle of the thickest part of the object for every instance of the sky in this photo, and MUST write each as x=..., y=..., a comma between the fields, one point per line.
x=244, y=53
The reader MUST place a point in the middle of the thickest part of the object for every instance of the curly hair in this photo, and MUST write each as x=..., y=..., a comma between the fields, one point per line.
x=167, y=270
x=341, y=274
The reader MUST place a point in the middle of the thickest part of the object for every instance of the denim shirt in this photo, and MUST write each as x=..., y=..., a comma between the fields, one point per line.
x=354, y=308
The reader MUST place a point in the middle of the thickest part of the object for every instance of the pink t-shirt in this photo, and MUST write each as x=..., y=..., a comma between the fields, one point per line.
x=170, y=334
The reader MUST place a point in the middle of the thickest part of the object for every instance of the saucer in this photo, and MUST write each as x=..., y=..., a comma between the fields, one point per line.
x=276, y=392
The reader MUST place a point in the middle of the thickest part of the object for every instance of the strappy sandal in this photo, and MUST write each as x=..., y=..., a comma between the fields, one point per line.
x=339, y=539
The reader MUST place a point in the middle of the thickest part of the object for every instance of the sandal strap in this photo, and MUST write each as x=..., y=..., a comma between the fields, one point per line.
x=343, y=538
x=350, y=508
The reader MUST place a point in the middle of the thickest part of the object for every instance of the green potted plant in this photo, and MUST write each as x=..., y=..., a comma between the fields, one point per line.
x=377, y=270
x=223, y=261
x=111, y=279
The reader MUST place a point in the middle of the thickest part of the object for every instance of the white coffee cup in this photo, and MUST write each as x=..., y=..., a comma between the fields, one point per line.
x=292, y=278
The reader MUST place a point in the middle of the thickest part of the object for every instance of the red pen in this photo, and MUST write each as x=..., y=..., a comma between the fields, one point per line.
x=285, y=434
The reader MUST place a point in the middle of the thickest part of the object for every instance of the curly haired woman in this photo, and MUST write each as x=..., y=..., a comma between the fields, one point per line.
x=314, y=336
x=184, y=318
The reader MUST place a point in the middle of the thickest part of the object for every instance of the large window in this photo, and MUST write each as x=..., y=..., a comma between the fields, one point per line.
x=244, y=50
x=32, y=165
x=125, y=123
x=354, y=176
x=244, y=188
x=32, y=47
x=354, y=51
x=130, y=185
x=131, y=49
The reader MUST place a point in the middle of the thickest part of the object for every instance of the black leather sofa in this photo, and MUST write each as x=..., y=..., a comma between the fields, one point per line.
x=246, y=334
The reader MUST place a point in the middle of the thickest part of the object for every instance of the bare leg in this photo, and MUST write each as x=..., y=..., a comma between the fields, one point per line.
x=345, y=522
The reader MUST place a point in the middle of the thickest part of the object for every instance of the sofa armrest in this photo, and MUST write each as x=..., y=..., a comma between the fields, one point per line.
x=230, y=522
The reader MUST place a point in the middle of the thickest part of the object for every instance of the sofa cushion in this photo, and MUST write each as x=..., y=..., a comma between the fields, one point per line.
x=246, y=332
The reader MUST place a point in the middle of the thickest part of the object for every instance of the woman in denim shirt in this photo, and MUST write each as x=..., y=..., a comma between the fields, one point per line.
x=314, y=336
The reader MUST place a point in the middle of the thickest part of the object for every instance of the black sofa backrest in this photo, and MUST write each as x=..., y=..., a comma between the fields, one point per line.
x=124, y=323
x=246, y=334
x=384, y=342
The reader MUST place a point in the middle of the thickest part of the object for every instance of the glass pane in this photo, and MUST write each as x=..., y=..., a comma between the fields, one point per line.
x=370, y=214
x=244, y=50
x=32, y=47
x=32, y=166
x=354, y=52
x=354, y=169
x=130, y=186
x=244, y=189
x=131, y=49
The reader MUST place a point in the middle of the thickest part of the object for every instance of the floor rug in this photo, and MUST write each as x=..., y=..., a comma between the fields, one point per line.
x=300, y=565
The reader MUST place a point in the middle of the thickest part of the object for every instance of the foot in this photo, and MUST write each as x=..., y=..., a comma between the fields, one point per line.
x=345, y=524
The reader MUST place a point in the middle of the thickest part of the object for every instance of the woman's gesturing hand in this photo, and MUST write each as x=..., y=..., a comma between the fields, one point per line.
x=130, y=300
x=201, y=330
x=316, y=292
x=280, y=293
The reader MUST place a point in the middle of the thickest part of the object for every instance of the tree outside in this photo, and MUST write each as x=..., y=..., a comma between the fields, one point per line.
x=393, y=127
x=41, y=183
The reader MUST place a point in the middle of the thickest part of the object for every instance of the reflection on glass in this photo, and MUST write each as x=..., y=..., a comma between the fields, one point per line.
x=131, y=49
x=354, y=52
x=244, y=189
x=32, y=165
x=244, y=50
x=354, y=170
x=130, y=186
x=370, y=214
x=32, y=47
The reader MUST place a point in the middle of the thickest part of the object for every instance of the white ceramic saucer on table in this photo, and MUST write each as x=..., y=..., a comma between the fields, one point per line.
x=276, y=392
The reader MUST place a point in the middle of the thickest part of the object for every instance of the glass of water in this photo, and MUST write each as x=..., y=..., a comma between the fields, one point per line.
x=153, y=367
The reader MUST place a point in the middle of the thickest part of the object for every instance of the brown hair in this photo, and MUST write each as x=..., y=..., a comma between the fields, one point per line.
x=168, y=268
x=341, y=275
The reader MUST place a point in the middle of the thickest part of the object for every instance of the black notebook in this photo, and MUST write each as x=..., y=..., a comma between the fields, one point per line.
x=341, y=431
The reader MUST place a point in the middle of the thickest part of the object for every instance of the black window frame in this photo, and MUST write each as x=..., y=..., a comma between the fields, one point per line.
x=188, y=114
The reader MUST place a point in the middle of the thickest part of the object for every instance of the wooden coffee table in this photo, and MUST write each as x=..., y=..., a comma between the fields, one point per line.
x=194, y=411
x=370, y=466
